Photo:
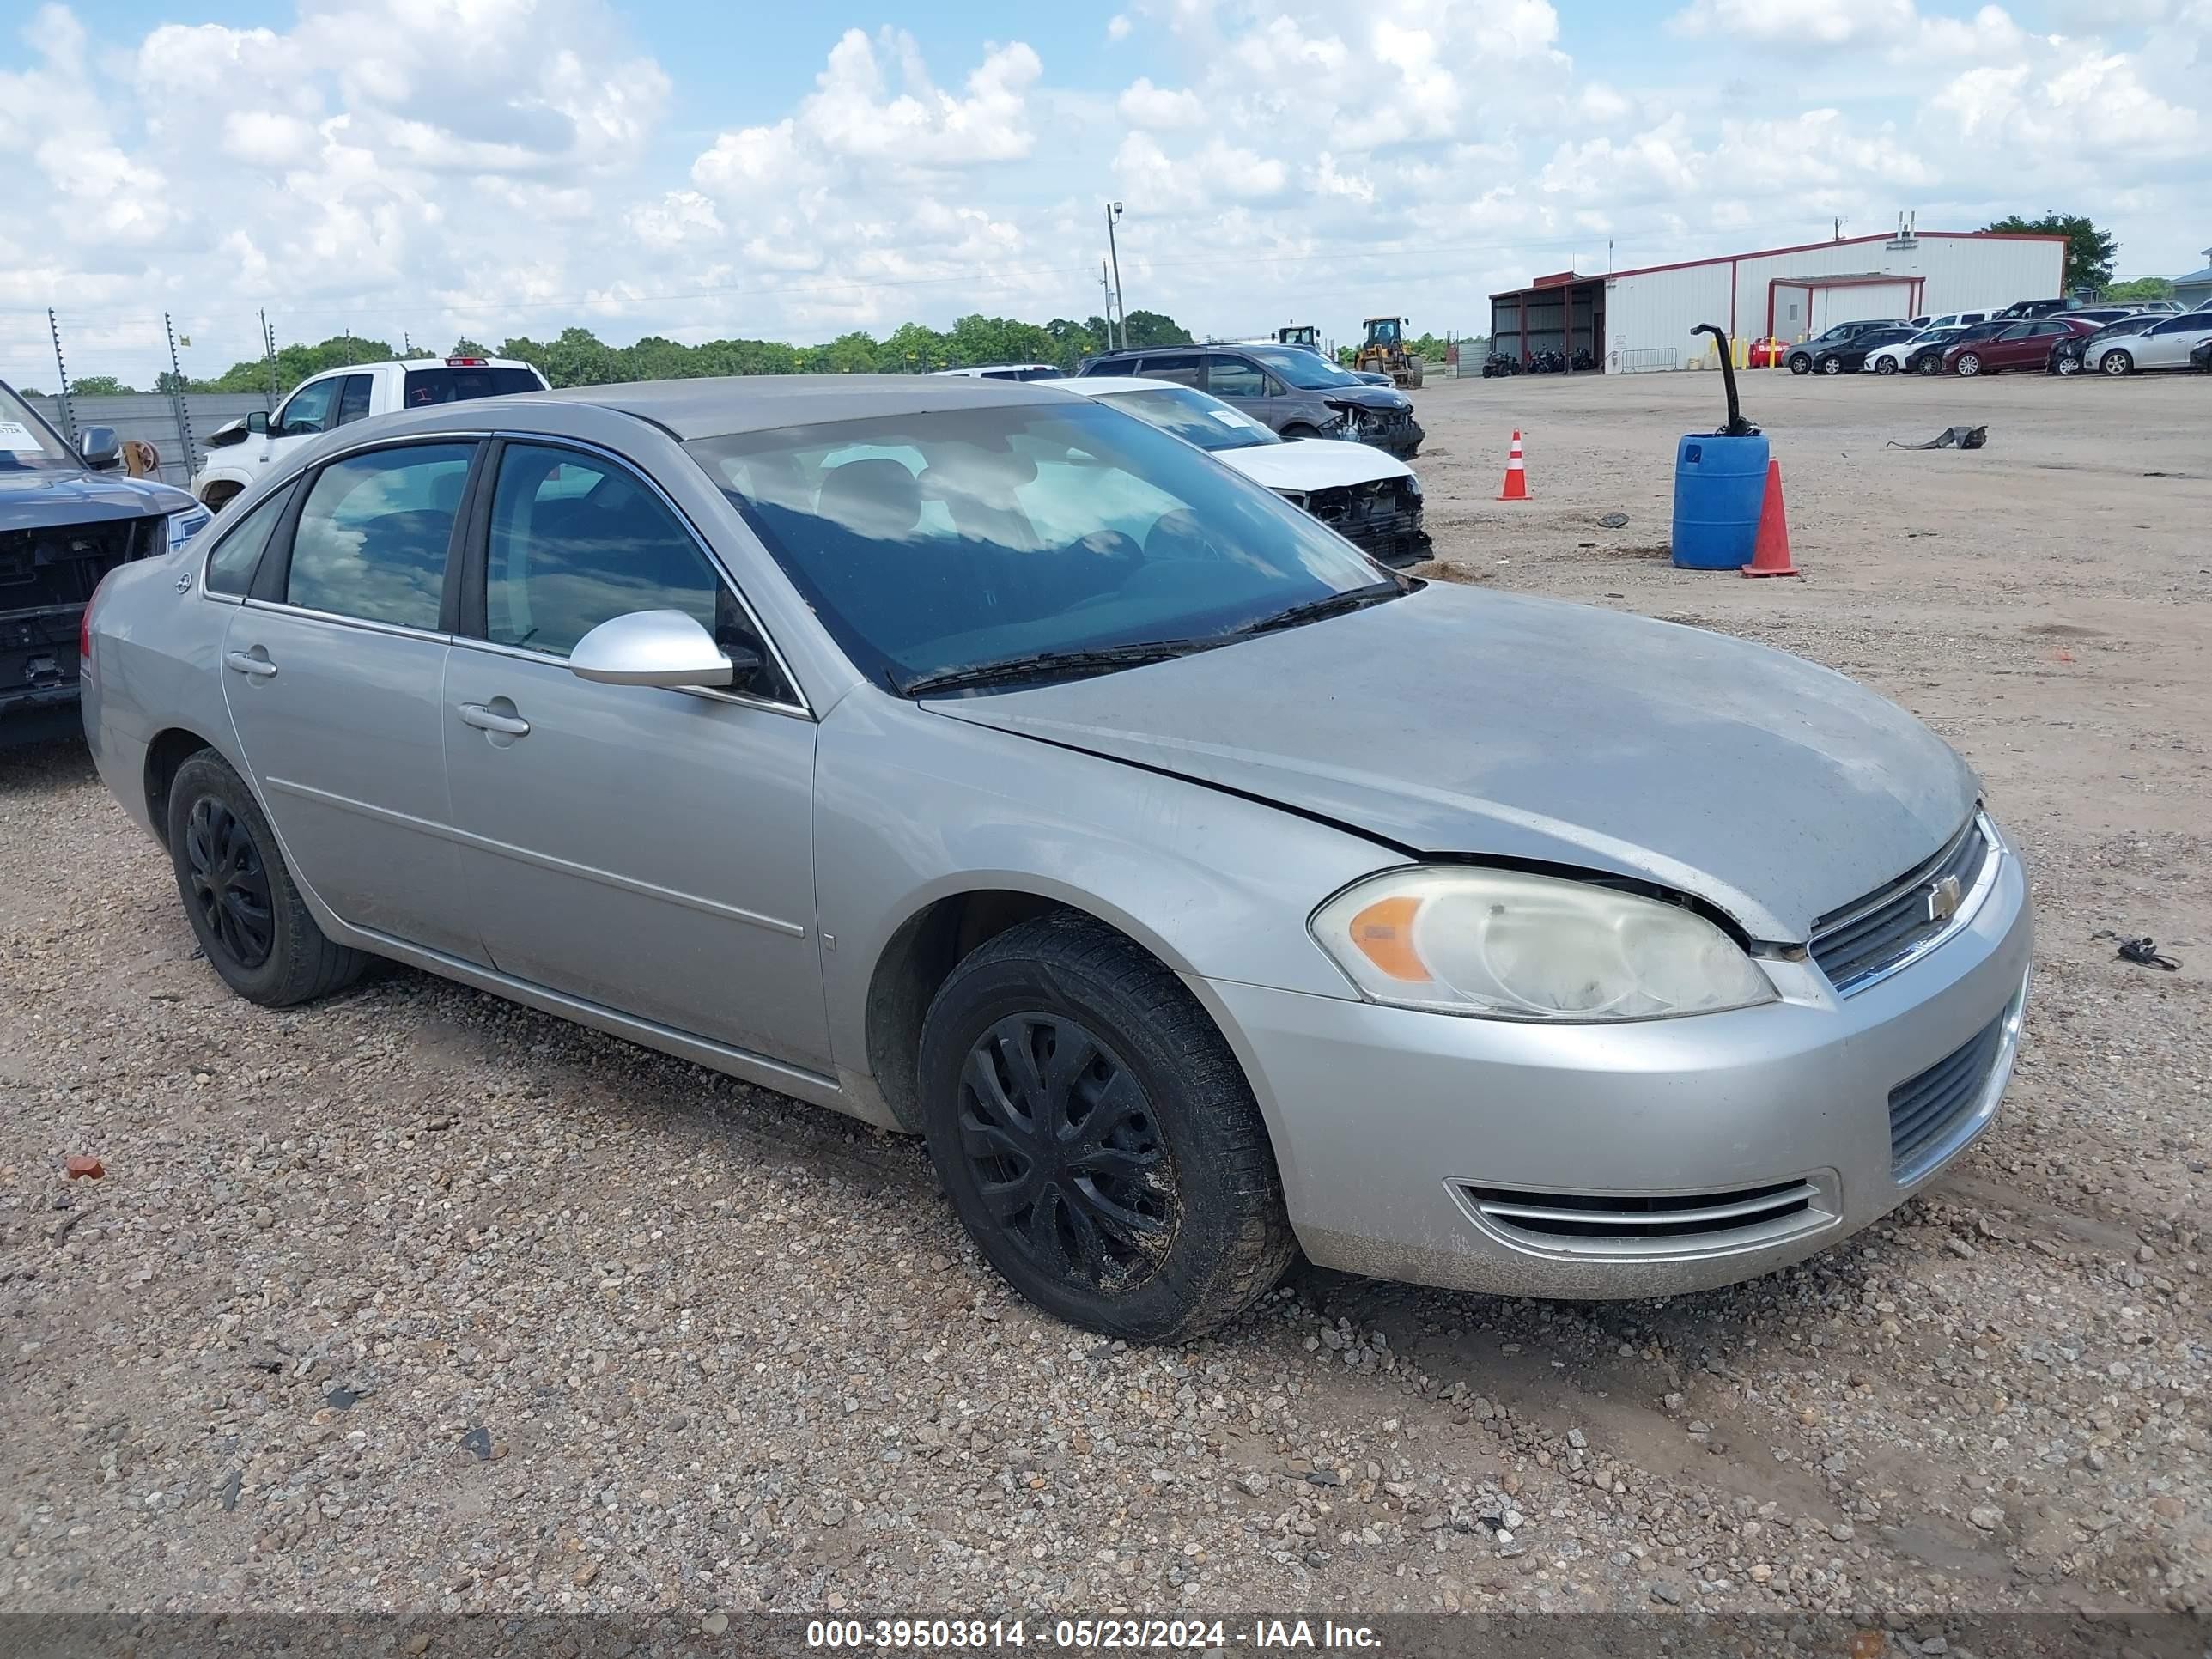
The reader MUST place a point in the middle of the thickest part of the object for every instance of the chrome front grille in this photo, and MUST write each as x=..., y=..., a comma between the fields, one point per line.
x=1652, y=1224
x=1873, y=937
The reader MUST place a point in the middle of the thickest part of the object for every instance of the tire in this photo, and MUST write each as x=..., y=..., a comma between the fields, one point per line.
x=1885, y=365
x=1185, y=1158
x=1800, y=364
x=1291, y=434
x=251, y=925
x=1832, y=365
x=1969, y=365
x=1930, y=366
x=2115, y=363
x=2065, y=365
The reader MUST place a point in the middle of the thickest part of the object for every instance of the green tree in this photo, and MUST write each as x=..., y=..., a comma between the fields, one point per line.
x=465, y=347
x=2089, y=250
x=2141, y=288
x=99, y=385
x=1150, y=328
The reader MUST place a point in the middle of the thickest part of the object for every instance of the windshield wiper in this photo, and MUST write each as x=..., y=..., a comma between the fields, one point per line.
x=1044, y=664
x=1329, y=604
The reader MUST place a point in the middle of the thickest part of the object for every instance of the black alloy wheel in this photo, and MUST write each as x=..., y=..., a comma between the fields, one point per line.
x=1065, y=1154
x=228, y=883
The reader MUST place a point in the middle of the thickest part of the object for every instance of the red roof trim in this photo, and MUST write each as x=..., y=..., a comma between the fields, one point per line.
x=1849, y=242
x=1541, y=283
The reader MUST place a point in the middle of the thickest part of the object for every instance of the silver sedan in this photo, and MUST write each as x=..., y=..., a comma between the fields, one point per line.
x=977, y=760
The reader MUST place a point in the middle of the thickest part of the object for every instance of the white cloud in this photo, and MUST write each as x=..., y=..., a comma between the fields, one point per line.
x=499, y=166
x=1160, y=109
x=1799, y=23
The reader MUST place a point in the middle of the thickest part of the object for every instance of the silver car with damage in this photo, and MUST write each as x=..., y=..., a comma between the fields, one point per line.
x=980, y=761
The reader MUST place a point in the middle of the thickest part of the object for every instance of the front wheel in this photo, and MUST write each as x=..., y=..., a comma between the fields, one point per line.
x=1296, y=434
x=2066, y=363
x=2117, y=362
x=252, y=927
x=1832, y=366
x=1096, y=1137
x=1930, y=366
x=1885, y=365
x=1970, y=365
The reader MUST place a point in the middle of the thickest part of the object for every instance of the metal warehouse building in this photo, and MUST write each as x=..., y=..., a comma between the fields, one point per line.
x=1641, y=319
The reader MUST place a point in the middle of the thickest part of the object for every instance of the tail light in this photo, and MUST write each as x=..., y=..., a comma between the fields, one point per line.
x=84, y=621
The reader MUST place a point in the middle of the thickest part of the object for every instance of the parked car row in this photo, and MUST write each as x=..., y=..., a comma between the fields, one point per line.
x=2103, y=340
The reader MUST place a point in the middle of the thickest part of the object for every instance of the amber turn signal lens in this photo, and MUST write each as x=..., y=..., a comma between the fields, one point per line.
x=1384, y=933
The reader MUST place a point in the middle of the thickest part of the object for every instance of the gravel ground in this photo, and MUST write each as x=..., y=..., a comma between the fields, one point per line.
x=416, y=1300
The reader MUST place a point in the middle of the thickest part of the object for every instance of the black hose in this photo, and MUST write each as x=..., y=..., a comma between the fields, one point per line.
x=1737, y=426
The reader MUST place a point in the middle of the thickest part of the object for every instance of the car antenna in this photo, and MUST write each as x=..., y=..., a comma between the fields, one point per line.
x=1737, y=426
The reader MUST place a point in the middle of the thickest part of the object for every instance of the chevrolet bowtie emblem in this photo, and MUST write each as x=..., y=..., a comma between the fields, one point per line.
x=1943, y=899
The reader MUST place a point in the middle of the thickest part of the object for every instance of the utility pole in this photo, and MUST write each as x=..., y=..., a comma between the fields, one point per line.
x=1106, y=301
x=1120, y=302
x=69, y=413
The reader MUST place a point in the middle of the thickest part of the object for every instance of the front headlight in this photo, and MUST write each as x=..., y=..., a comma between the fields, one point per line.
x=1413, y=484
x=1500, y=945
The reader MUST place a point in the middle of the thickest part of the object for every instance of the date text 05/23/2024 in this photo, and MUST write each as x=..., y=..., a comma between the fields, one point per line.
x=1258, y=1636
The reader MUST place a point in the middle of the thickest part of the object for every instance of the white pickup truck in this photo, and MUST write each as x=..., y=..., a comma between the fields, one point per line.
x=242, y=451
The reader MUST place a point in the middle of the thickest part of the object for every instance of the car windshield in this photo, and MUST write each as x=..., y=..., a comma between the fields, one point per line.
x=1302, y=369
x=25, y=440
x=1193, y=416
x=983, y=537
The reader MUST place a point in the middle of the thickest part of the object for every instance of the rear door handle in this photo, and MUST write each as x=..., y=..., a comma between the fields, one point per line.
x=245, y=663
x=484, y=720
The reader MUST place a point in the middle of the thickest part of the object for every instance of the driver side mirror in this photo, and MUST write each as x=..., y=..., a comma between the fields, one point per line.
x=258, y=423
x=658, y=647
x=100, y=447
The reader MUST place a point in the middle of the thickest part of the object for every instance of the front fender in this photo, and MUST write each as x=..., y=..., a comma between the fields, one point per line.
x=911, y=808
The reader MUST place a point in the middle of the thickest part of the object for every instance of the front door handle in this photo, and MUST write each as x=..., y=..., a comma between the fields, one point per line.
x=486, y=719
x=244, y=662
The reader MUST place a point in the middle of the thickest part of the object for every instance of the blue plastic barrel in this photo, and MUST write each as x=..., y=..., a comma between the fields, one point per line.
x=1719, y=483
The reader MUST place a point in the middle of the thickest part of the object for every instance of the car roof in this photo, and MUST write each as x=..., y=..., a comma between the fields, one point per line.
x=1101, y=386
x=718, y=407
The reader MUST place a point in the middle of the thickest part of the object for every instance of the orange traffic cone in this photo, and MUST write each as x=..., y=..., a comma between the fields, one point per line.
x=1770, y=555
x=1516, y=475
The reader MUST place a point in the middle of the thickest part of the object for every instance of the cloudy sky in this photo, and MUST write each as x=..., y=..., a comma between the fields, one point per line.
x=701, y=169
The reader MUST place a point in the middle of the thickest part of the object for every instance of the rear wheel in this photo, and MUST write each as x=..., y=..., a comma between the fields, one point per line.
x=2117, y=362
x=253, y=927
x=1970, y=365
x=1096, y=1137
x=1800, y=364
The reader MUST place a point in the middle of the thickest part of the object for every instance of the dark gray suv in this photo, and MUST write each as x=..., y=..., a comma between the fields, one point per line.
x=1292, y=392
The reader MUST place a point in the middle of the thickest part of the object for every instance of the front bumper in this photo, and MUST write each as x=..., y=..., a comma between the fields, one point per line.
x=1395, y=1130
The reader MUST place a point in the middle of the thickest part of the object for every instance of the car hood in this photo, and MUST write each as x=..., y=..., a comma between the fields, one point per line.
x=38, y=496
x=1454, y=722
x=1315, y=464
x=1367, y=397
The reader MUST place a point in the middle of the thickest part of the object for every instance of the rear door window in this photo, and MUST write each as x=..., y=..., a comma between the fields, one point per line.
x=1232, y=377
x=374, y=534
x=1181, y=367
x=353, y=397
